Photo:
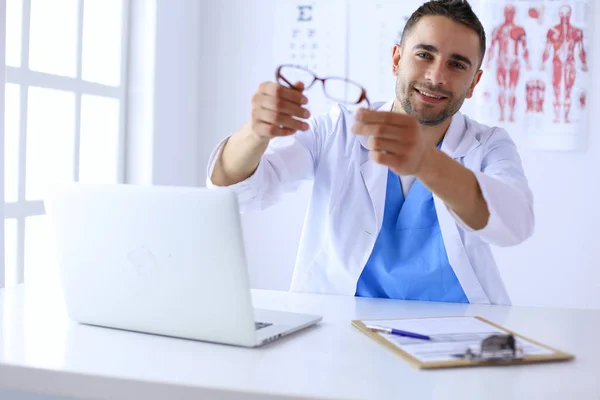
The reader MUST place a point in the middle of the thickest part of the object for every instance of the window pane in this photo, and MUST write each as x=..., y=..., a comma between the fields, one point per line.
x=53, y=37
x=14, y=21
x=50, y=140
x=10, y=251
x=40, y=253
x=12, y=111
x=101, y=60
x=99, y=145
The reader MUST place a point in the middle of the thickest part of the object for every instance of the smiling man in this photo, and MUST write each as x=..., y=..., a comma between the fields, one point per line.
x=409, y=195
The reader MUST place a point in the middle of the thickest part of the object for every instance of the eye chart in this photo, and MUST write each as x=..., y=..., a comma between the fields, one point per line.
x=312, y=35
x=376, y=27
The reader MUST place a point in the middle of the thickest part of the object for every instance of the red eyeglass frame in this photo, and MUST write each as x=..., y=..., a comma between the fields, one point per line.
x=278, y=76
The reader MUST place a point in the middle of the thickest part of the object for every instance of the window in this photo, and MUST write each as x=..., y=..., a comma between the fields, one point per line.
x=64, y=112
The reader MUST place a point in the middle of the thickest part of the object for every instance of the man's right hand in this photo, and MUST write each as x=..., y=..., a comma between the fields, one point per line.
x=273, y=109
x=274, y=112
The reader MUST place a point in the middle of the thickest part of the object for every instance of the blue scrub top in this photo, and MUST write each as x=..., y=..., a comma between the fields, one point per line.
x=409, y=259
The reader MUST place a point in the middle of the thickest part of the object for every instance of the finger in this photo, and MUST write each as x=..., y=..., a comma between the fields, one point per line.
x=269, y=130
x=391, y=160
x=286, y=93
x=298, y=85
x=385, y=117
x=280, y=120
x=280, y=105
x=389, y=146
x=402, y=134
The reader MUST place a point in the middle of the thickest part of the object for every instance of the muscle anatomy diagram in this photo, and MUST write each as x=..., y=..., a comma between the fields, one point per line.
x=563, y=41
x=535, y=90
x=536, y=79
x=510, y=44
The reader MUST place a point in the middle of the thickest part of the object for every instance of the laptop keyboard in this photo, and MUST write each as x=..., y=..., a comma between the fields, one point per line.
x=260, y=325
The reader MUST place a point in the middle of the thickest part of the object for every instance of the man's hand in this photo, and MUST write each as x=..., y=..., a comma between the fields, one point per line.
x=273, y=110
x=395, y=140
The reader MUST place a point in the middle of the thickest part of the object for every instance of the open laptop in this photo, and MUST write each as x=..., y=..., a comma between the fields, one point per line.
x=160, y=259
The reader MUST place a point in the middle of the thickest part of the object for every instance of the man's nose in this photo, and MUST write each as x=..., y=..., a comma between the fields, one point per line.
x=436, y=74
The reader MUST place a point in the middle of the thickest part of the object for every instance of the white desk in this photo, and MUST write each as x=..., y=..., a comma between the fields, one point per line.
x=41, y=350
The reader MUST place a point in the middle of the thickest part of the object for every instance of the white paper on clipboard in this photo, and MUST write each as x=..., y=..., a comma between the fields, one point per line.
x=450, y=336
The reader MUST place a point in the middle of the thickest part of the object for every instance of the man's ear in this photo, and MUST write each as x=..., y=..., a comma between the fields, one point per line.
x=396, y=50
x=476, y=80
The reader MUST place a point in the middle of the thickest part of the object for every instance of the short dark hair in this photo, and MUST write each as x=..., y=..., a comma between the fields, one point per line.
x=457, y=10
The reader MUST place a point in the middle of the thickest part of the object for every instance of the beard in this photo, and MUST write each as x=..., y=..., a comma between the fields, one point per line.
x=426, y=113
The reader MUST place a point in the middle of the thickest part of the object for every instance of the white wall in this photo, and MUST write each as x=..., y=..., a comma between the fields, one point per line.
x=164, y=99
x=2, y=73
x=557, y=267
x=236, y=42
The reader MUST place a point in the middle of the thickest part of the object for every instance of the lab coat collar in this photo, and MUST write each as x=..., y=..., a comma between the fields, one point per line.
x=458, y=140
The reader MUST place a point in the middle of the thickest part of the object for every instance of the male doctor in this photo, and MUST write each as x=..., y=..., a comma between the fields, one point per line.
x=407, y=196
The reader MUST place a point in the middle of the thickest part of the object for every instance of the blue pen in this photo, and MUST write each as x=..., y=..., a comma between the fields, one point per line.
x=397, y=332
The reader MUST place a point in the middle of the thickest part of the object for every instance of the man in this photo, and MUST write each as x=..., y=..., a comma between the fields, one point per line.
x=407, y=196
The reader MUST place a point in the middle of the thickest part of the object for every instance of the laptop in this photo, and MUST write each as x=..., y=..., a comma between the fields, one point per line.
x=162, y=260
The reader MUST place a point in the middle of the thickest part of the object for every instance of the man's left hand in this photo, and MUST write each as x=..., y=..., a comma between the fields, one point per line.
x=395, y=140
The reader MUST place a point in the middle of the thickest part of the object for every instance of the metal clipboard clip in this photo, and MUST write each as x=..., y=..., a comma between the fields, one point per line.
x=495, y=348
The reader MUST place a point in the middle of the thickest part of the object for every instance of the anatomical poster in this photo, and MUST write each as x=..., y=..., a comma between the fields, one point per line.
x=536, y=73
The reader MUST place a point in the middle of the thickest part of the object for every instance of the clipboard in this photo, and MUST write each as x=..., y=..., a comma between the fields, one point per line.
x=422, y=353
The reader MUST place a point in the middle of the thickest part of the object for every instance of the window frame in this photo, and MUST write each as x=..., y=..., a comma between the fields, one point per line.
x=25, y=78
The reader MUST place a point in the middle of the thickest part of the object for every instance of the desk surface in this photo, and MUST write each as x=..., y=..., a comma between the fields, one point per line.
x=41, y=350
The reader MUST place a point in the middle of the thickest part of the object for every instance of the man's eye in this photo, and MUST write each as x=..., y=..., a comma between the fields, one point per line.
x=458, y=65
x=424, y=55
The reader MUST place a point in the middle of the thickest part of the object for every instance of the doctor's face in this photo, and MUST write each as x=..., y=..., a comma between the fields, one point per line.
x=437, y=67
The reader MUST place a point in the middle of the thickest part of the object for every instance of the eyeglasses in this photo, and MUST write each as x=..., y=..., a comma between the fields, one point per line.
x=339, y=89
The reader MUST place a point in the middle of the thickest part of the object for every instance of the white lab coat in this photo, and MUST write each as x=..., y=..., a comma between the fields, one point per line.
x=345, y=212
